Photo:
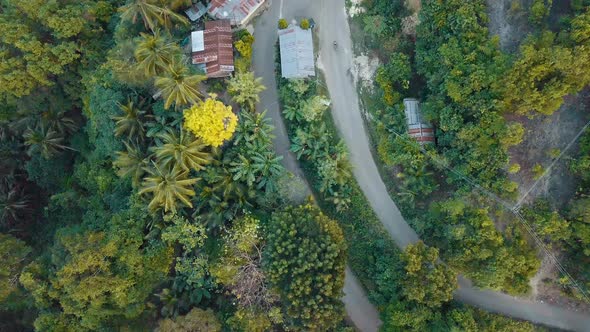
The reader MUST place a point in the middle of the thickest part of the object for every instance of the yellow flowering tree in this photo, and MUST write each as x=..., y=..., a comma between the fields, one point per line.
x=212, y=121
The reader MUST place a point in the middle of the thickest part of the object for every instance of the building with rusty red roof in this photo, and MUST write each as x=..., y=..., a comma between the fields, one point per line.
x=212, y=48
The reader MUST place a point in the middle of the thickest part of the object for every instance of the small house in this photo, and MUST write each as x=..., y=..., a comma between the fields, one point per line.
x=212, y=49
x=239, y=12
x=418, y=128
x=296, y=47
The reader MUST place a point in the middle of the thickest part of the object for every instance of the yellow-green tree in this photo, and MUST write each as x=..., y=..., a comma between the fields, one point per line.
x=95, y=279
x=168, y=185
x=39, y=40
x=154, y=53
x=212, y=121
x=244, y=88
x=305, y=258
x=178, y=85
x=14, y=253
x=197, y=320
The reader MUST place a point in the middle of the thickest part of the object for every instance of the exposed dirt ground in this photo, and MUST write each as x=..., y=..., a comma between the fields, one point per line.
x=545, y=137
x=509, y=20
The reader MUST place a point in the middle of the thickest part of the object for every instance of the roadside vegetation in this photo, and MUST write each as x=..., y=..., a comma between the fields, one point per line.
x=411, y=288
x=455, y=193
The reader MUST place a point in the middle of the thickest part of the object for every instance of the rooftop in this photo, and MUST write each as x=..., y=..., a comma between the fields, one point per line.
x=213, y=48
x=237, y=11
x=296, y=46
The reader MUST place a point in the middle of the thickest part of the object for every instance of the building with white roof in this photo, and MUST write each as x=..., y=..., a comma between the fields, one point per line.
x=296, y=47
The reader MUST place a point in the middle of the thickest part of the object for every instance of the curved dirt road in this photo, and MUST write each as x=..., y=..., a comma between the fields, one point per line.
x=358, y=308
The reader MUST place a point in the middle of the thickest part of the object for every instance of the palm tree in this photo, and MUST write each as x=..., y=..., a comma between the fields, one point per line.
x=168, y=185
x=254, y=128
x=154, y=53
x=178, y=85
x=131, y=162
x=130, y=122
x=269, y=168
x=45, y=141
x=150, y=13
x=245, y=89
x=183, y=150
x=58, y=121
x=12, y=204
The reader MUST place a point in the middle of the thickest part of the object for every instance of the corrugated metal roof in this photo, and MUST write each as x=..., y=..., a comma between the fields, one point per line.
x=217, y=53
x=418, y=128
x=238, y=11
x=197, y=41
x=296, y=46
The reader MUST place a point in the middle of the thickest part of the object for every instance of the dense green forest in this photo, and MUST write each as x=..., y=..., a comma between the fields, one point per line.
x=456, y=194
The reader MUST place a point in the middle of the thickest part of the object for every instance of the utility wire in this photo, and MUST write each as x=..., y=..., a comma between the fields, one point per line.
x=514, y=209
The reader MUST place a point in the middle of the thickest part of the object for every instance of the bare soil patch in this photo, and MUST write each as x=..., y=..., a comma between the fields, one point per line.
x=509, y=21
x=545, y=137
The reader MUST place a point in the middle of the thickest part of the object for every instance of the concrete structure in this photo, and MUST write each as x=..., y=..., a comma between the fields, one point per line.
x=296, y=46
x=418, y=128
x=197, y=11
x=212, y=48
x=239, y=12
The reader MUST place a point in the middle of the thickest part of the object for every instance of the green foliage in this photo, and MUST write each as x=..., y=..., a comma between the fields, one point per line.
x=154, y=53
x=168, y=185
x=470, y=243
x=305, y=260
x=151, y=13
x=92, y=279
x=245, y=88
x=304, y=24
x=131, y=122
x=394, y=77
x=539, y=10
x=426, y=281
x=183, y=150
x=283, y=23
x=543, y=74
x=463, y=67
x=546, y=222
x=14, y=253
x=244, y=46
x=197, y=320
x=178, y=85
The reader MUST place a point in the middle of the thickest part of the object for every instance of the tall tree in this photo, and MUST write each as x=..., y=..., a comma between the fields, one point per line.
x=168, y=186
x=305, y=260
x=131, y=122
x=182, y=150
x=154, y=53
x=151, y=13
x=14, y=253
x=245, y=89
x=178, y=86
x=94, y=280
x=212, y=121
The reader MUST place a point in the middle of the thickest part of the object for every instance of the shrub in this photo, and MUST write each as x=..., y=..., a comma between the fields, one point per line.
x=283, y=24
x=304, y=24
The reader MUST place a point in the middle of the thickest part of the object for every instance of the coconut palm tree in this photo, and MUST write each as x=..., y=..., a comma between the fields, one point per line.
x=13, y=203
x=168, y=186
x=151, y=14
x=178, y=85
x=130, y=122
x=131, y=162
x=58, y=121
x=245, y=89
x=45, y=141
x=181, y=149
x=154, y=53
x=254, y=128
